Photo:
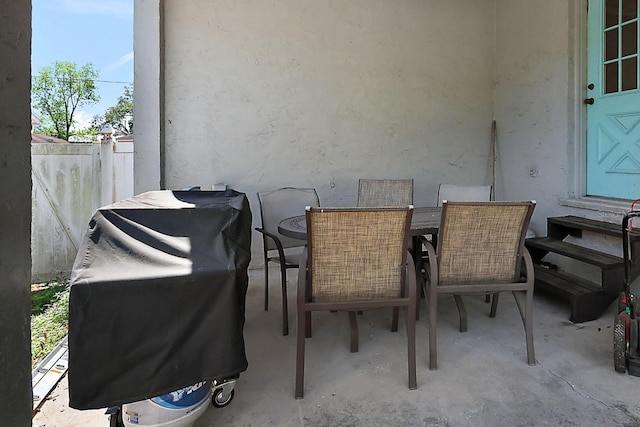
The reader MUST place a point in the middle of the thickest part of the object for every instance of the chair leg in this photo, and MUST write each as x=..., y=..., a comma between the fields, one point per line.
x=353, y=322
x=411, y=345
x=494, y=304
x=418, y=262
x=420, y=290
x=527, y=320
x=266, y=284
x=394, y=319
x=300, y=343
x=433, y=353
x=461, y=312
x=528, y=327
x=307, y=325
x=285, y=305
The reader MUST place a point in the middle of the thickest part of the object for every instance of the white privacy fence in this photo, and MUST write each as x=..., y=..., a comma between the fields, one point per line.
x=69, y=182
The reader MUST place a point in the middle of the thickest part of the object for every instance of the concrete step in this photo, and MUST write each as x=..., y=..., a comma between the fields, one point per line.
x=587, y=300
x=562, y=226
x=541, y=246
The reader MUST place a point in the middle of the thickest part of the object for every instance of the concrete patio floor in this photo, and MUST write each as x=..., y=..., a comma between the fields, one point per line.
x=482, y=378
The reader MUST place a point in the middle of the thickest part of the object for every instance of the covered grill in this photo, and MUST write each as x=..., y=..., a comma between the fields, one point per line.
x=157, y=297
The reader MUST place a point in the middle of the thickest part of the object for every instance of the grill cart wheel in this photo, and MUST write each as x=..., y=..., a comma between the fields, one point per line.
x=115, y=419
x=221, y=399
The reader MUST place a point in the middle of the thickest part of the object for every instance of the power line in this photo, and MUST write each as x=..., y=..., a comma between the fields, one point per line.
x=113, y=81
x=97, y=81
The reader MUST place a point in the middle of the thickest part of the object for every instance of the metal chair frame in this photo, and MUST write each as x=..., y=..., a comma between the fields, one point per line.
x=485, y=259
x=287, y=201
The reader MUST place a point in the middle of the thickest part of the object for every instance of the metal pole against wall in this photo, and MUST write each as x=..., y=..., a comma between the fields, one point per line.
x=494, y=159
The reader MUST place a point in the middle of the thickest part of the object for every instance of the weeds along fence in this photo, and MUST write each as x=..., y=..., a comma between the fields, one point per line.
x=69, y=182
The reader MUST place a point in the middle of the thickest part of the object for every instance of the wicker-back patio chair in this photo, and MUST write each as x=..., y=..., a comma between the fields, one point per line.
x=356, y=259
x=275, y=206
x=466, y=193
x=385, y=192
x=481, y=249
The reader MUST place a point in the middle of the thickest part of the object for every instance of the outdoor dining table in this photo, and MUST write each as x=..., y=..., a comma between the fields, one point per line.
x=425, y=221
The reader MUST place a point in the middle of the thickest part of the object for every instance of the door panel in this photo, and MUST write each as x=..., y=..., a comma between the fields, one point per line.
x=613, y=110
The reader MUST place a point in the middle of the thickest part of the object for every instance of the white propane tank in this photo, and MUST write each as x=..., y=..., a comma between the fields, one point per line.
x=180, y=408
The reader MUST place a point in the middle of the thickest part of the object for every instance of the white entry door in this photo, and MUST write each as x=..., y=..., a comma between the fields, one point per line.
x=613, y=103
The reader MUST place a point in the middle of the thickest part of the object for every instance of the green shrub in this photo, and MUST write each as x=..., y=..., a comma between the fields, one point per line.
x=51, y=325
x=42, y=299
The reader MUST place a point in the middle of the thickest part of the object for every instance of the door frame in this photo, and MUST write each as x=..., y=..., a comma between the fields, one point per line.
x=577, y=111
x=577, y=115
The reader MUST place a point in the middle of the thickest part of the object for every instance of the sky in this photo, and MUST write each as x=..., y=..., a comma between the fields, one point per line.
x=83, y=31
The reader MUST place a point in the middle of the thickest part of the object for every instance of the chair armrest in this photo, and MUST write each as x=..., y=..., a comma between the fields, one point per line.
x=528, y=264
x=424, y=240
x=433, y=261
x=302, y=278
x=276, y=240
x=411, y=277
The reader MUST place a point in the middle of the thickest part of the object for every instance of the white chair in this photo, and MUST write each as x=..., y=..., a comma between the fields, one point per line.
x=464, y=193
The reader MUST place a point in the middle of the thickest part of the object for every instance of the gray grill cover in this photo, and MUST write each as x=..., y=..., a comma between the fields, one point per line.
x=158, y=296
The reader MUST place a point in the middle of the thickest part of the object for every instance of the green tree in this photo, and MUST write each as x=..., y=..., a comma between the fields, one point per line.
x=120, y=116
x=57, y=92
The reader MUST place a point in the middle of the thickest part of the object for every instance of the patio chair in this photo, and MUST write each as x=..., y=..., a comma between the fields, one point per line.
x=386, y=192
x=275, y=206
x=465, y=193
x=356, y=259
x=480, y=249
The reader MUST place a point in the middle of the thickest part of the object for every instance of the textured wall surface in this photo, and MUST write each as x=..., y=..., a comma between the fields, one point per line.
x=15, y=213
x=531, y=99
x=147, y=94
x=297, y=93
x=301, y=93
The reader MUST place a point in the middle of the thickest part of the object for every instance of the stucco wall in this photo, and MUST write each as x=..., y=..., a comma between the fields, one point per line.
x=532, y=101
x=15, y=209
x=302, y=93
x=540, y=114
x=147, y=82
x=295, y=93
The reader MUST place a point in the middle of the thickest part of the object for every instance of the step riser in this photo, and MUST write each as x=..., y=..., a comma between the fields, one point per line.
x=587, y=300
x=586, y=303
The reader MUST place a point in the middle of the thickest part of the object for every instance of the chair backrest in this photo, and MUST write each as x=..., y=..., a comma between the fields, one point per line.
x=357, y=254
x=385, y=192
x=463, y=193
x=482, y=242
x=282, y=203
